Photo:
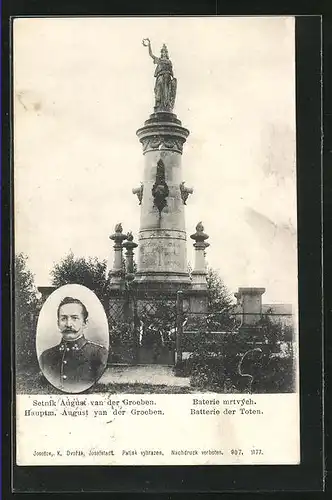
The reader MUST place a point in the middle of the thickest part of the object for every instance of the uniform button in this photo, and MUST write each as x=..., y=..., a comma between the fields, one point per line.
x=65, y=376
x=67, y=348
x=64, y=362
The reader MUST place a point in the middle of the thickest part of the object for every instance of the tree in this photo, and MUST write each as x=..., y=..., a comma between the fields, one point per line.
x=219, y=296
x=220, y=303
x=90, y=272
x=26, y=309
x=275, y=331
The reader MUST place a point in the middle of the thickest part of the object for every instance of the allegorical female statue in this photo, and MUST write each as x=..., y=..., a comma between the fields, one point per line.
x=165, y=86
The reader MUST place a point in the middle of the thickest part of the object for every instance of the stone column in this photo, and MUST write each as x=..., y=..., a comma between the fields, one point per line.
x=129, y=245
x=116, y=275
x=45, y=292
x=199, y=273
x=250, y=302
x=162, y=254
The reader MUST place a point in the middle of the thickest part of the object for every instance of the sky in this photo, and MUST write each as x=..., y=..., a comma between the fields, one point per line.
x=83, y=86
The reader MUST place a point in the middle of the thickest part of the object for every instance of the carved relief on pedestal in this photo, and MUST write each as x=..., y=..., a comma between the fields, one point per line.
x=155, y=143
x=151, y=143
x=160, y=189
x=161, y=256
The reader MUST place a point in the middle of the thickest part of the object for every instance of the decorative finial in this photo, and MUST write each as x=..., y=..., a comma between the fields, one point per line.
x=117, y=236
x=130, y=245
x=200, y=227
x=200, y=236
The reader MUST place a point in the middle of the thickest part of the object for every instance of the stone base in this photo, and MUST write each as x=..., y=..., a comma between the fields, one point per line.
x=197, y=300
x=116, y=280
x=119, y=307
x=157, y=284
x=162, y=277
x=199, y=280
x=162, y=117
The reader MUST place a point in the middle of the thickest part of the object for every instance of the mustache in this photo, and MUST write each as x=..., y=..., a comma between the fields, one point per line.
x=69, y=330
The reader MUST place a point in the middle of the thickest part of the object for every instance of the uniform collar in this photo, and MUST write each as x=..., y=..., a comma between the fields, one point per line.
x=73, y=345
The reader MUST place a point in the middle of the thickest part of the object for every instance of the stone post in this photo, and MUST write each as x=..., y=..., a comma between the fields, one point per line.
x=129, y=245
x=199, y=273
x=116, y=275
x=45, y=292
x=250, y=302
x=179, y=327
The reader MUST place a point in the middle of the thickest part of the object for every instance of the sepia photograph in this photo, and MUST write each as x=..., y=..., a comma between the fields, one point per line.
x=155, y=213
x=72, y=339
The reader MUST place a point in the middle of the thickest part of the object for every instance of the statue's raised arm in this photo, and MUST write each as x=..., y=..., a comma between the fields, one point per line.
x=146, y=42
x=165, y=86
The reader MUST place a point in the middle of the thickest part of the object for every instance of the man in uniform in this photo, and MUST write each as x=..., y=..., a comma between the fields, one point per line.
x=76, y=363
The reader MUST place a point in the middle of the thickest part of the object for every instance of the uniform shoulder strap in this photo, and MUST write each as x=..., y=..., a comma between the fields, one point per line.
x=95, y=344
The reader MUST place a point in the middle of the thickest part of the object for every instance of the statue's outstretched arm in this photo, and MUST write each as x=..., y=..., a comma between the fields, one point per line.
x=147, y=43
x=155, y=59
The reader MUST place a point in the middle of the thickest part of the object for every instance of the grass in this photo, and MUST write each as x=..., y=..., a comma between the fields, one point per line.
x=37, y=384
x=33, y=383
x=141, y=389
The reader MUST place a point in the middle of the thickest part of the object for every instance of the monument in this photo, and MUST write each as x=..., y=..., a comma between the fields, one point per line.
x=162, y=265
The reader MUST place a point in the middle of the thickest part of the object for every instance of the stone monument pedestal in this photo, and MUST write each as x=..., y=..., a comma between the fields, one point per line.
x=162, y=257
x=249, y=300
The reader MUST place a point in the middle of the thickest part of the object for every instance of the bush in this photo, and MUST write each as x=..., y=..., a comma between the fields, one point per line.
x=276, y=375
x=89, y=272
x=231, y=364
x=122, y=342
x=26, y=311
x=208, y=372
x=183, y=368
